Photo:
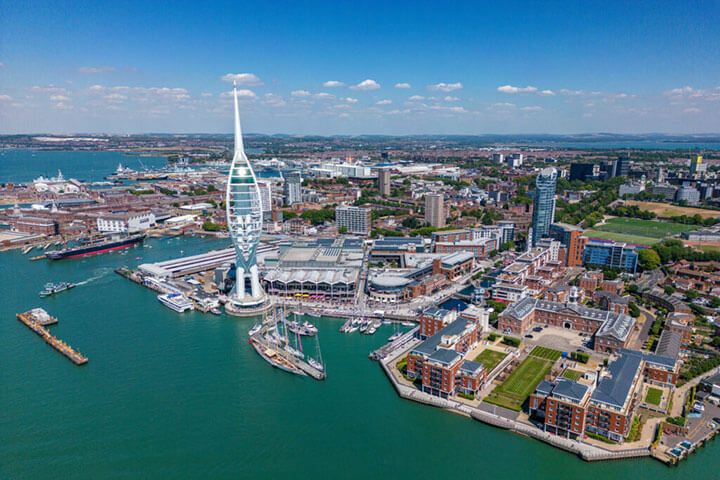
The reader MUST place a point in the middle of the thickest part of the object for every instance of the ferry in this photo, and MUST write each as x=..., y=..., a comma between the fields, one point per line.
x=95, y=247
x=176, y=301
x=53, y=288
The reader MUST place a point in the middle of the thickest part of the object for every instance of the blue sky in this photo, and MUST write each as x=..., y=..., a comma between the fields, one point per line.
x=468, y=68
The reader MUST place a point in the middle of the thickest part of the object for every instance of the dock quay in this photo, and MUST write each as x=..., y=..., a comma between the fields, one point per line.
x=36, y=320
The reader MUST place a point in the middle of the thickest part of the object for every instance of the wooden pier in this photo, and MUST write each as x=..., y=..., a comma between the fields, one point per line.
x=36, y=320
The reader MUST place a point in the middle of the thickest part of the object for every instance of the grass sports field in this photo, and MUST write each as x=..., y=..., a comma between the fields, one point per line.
x=490, y=358
x=634, y=230
x=663, y=210
x=516, y=388
x=546, y=353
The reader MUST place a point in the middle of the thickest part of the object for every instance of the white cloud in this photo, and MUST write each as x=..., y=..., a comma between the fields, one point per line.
x=532, y=108
x=402, y=85
x=351, y=100
x=324, y=96
x=511, y=89
x=300, y=93
x=59, y=98
x=48, y=89
x=416, y=98
x=333, y=84
x=244, y=93
x=546, y=93
x=115, y=97
x=274, y=100
x=450, y=98
x=443, y=108
x=62, y=106
x=445, y=87
x=96, y=69
x=690, y=93
x=247, y=79
x=692, y=110
x=503, y=105
x=206, y=94
x=384, y=102
x=2, y=65
x=368, y=84
x=5, y=98
x=571, y=93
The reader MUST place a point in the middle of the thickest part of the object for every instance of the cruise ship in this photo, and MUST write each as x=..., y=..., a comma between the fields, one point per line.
x=176, y=301
x=95, y=247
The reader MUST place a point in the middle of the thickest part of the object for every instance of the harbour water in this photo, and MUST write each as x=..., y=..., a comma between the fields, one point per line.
x=166, y=395
x=25, y=165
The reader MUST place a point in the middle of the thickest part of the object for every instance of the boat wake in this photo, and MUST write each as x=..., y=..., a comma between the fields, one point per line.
x=102, y=273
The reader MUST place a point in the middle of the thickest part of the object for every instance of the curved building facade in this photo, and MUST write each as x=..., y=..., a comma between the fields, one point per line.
x=244, y=218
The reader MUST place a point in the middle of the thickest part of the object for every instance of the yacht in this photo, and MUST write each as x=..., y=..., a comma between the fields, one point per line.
x=256, y=328
x=315, y=364
x=395, y=336
x=176, y=301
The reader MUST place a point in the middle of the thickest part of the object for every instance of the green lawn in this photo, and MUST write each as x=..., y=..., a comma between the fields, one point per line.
x=573, y=375
x=654, y=396
x=513, y=392
x=635, y=230
x=490, y=358
x=546, y=353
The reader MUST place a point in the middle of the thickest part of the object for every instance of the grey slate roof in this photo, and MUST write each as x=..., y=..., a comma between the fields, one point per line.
x=618, y=325
x=444, y=356
x=669, y=344
x=569, y=389
x=614, y=390
x=429, y=346
x=471, y=367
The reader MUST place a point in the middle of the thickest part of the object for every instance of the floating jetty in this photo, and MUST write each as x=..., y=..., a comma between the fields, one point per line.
x=36, y=320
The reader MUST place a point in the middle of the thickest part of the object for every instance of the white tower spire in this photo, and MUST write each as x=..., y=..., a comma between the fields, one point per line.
x=244, y=215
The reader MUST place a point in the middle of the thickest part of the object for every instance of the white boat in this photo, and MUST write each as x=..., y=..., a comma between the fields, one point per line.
x=256, y=328
x=27, y=249
x=371, y=330
x=312, y=329
x=315, y=364
x=294, y=351
x=176, y=301
x=407, y=324
x=395, y=336
x=353, y=328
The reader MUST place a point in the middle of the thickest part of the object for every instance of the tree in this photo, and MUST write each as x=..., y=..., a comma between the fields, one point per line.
x=633, y=310
x=342, y=230
x=669, y=289
x=648, y=259
x=692, y=294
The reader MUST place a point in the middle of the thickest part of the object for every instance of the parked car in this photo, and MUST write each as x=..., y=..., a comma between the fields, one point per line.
x=529, y=336
x=537, y=329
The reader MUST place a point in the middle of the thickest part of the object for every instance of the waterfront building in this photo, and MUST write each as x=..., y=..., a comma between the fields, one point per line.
x=292, y=189
x=611, y=330
x=244, y=218
x=322, y=268
x=384, y=181
x=355, y=220
x=543, y=204
x=561, y=405
x=125, y=222
x=615, y=255
x=393, y=249
x=439, y=361
x=435, y=209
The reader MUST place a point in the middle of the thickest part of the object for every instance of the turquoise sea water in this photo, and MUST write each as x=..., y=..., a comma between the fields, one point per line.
x=184, y=396
x=25, y=165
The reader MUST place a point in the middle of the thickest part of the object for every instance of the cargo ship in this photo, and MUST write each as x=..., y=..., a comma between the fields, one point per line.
x=95, y=247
